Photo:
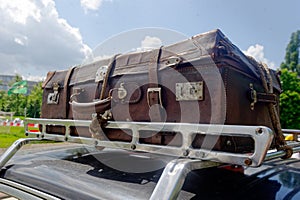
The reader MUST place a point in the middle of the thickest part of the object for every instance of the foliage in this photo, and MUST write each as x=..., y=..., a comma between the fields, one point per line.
x=290, y=72
x=17, y=78
x=12, y=103
x=34, y=101
x=19, y=102
x=290, y=100
x=292, y=54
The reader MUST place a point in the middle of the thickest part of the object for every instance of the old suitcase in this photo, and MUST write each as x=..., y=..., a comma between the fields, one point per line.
x=205, y=79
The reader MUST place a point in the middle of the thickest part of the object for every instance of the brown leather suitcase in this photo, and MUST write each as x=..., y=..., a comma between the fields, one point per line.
x=205, y=79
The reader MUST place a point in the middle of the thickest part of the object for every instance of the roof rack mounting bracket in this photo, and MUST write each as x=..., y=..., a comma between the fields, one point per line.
x=173, y=177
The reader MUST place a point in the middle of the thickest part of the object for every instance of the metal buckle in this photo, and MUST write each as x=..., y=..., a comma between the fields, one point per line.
x=253, y=95
x=53, y=97
x=154, y=90
x=122, y=92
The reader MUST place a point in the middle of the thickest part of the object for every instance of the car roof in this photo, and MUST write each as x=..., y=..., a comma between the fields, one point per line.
x=82, y=172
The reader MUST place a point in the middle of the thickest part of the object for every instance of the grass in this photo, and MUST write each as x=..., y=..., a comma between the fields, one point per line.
x=9, y=134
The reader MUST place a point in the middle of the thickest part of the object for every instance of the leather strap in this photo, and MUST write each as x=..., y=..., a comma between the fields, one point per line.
x=108, y=74
x=266, y=98
x=66, y=92
x=280, y=142
x=154, y=90
x=153, y=68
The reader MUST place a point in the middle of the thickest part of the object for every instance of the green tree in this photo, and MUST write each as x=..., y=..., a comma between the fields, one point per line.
x=292, y=54
x=290, y=97
x=290, y=100
x=3, y=101
x=34, y=101
x=18, y=102
x=15, y=102
x=17, y=78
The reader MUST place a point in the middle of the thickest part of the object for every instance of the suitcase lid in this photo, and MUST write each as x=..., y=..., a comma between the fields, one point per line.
x=209, y=48
x=211, y=44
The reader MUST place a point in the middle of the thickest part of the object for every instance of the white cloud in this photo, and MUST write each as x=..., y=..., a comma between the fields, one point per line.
x=146, y=44
x=18, y=41
x=149, y=43
x=257, y=51
x=19, y=11
x=92, y=5
x=35, y=40
x=33, y=78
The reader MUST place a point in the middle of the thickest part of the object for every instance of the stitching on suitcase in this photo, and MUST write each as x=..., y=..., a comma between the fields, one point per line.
x=191, y=68
x=225, y=81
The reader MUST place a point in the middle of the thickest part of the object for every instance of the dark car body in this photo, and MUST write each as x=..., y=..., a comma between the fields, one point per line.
x=81, y=172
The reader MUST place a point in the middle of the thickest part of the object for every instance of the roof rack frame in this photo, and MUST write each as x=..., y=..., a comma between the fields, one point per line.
x=261, y=135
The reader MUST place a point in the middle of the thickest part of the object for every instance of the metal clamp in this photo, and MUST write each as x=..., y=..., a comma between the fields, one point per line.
x=253, y=95
x=152, y=91
x=53, y=97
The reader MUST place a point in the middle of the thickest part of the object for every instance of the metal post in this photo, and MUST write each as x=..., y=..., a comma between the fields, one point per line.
x=173, y=177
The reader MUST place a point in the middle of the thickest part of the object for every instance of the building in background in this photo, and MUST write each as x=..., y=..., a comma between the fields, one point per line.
x=6, y=80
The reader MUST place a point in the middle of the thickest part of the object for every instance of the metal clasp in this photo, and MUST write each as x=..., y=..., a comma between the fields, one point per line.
x=253, y=95
x=53, y=97
x=190, y=91
x=122, y=92
x=152, y=91
x=173, y=61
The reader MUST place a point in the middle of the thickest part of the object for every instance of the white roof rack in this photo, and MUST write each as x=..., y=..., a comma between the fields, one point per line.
x=262, y=137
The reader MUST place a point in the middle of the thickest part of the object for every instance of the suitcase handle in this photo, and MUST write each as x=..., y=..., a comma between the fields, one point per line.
x=99, y=106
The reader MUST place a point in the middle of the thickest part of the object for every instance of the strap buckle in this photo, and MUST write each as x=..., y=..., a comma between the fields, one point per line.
x=261, y=97
x=53, y=98
x=253, y=95
x=154, y=96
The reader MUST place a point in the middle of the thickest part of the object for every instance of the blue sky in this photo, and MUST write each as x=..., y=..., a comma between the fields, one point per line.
x=261, y=28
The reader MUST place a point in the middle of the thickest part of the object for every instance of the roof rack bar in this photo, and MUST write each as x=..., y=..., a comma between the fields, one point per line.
x=281, y=153
x=13, y=149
